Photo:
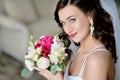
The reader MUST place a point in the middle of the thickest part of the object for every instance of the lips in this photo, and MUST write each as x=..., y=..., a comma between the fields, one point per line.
x=73, y=35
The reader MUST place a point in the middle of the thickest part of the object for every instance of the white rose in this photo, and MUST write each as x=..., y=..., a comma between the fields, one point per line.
x=43, y=63
x=30, y=53
x=58, y=49
x=29, y=64
x=54, y=57
x=57, y=43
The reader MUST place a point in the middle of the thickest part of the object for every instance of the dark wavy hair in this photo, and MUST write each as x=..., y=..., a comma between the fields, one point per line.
x=101, y=21
x=64, y=37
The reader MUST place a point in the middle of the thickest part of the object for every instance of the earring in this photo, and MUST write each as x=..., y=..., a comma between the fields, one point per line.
x=91, y=30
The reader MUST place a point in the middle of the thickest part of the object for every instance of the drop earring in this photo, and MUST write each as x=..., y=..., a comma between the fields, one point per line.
x=91, y=30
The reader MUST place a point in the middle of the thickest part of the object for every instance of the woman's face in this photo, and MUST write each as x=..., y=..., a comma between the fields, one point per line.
x=75, y=23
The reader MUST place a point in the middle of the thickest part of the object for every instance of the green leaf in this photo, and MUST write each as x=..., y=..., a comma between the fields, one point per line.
x=53, y=71
x=57, y=35
x=25, y=72
x=65, y=43
x=30, y=43
x=62, y=66
x=31, y=37
x=55, y=68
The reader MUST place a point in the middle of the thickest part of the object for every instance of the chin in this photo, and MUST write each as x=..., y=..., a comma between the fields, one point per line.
x=77, y=43
x=76, y=40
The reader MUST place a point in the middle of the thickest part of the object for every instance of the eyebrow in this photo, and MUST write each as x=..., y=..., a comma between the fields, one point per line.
x=69, y=17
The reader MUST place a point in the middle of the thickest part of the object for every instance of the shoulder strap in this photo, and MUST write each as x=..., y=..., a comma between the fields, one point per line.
x=85, y=61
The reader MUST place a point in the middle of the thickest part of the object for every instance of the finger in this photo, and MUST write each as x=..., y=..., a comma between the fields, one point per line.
x=36, y=68
x=46, y=74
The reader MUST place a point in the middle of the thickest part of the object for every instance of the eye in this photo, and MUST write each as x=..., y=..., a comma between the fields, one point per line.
x=72, y=20
x=63, y=23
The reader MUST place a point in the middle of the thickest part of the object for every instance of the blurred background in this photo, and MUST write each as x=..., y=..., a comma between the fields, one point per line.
x=18, y=20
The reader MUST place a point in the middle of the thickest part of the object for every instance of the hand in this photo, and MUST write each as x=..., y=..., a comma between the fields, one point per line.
x=47, y=74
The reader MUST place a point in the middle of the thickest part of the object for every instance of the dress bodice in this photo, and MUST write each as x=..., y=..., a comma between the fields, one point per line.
x=79, y=76
x=69, y=77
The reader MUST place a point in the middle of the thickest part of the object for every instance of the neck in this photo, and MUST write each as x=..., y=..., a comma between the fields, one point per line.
x=89, y=43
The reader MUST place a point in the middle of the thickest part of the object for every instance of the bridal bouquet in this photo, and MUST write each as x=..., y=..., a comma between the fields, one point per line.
x=47, y=52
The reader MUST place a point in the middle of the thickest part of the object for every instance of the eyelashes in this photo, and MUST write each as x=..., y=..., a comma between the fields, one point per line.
x=71, y=21
x=63, y=24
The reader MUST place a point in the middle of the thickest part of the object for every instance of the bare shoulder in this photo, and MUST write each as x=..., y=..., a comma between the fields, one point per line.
x=100, y=58
x=100, y=64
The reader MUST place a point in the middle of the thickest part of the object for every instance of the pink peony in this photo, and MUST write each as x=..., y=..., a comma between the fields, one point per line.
x=46, y=50
x=37, y=46
x=45, y=42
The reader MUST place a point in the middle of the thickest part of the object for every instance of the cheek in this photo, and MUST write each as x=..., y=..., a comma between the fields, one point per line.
x=83, y=26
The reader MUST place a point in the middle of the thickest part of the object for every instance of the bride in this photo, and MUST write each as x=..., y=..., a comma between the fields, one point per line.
x=87, y=22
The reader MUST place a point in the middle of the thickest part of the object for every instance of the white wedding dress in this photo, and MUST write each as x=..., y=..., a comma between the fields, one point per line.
x=99, y=48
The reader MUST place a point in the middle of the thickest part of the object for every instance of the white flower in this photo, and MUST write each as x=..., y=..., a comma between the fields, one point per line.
x=57, y=56
x=30, y=53
x=29, y=64
x=57, y=45
x=35, y=57
x=54, y=57
x=43, y=63
x=57, y=42
x=57, y=51
x=38, y=50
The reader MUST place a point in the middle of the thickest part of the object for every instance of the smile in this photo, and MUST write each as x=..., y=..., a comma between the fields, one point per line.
x=73, y=35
